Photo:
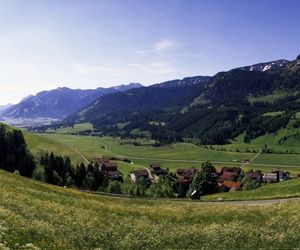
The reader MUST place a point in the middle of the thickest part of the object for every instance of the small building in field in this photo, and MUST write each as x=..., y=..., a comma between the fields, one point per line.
x=270, y=177
x=109, y=168
x=229, y=186
x=275, y=176
x=255, y=175
x=139, y=174
x=157, y=170
x=103, y=159
x=186, y=174
x=229, y=174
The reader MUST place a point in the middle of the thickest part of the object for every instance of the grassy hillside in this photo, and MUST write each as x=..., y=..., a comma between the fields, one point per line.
x=34, y=214
x=285, y=189
x=80, y=127
x=176, y=155
x=37, y=144
x=95, y=146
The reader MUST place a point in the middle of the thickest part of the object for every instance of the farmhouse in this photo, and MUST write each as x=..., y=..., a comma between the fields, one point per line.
x=156, y=169
x=230, y=186
x=255, y=175
x=186, y=174
x=229, y=174
x=110, y=168
x=102, y=159
x=138, y=174
x=275, y=176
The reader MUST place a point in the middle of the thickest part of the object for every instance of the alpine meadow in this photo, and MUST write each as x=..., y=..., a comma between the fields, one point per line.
x=164, y=124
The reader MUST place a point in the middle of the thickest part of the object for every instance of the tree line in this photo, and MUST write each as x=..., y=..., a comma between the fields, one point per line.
x=14, y=154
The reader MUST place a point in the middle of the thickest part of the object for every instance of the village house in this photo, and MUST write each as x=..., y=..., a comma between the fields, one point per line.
x=227, y=180
x=102, y=159
x=110, y=168
x=229, y=174
x=185, y=178
x=186, y=175
x=156, y=169
x=140, y=174
x=229, y=186
x=275, y=176
x=255, y=175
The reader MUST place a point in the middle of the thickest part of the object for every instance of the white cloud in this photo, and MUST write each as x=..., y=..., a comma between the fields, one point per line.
x=163, y=45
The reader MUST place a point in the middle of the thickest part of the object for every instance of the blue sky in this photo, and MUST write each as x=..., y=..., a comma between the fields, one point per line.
x=88, y=44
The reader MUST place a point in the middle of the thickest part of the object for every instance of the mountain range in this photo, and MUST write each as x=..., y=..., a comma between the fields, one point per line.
x=250, y=100
x=58, y=103
x=212, y=110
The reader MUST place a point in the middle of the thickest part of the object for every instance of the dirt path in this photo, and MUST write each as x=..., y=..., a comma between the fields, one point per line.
x=186, y=201
x=252, y=159
x=214, y=162
x=76, y=151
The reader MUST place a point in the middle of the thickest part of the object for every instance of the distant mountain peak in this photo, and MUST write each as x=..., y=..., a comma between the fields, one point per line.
x=57, y=103
x=183, y=82
x=262, y=67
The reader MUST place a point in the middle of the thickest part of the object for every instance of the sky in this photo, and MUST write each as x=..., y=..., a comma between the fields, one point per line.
x=45, y=44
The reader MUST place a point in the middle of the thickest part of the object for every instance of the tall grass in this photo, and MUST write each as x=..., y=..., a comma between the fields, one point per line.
x=33, y=214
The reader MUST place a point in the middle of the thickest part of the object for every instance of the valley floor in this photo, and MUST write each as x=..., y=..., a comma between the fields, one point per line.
x=174, y=156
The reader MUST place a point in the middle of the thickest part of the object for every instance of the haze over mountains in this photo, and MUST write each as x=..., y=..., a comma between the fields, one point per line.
x=58, y=103
x=213, y=110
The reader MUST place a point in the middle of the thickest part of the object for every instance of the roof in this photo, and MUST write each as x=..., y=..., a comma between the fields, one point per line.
x=231, y=170
x=254, y=175
x=155, y=166
x=140, y=172
x=187, y=173
x=102, y=159
x=230, y=184
x=109, y=164
x=227, y=177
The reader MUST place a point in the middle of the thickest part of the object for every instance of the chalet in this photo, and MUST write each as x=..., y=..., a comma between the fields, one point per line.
x=156, y=169
x=255, y=175
x=275, y=176
x=229, y=174
x=186, y=174
x=110, y=168
x=138, y=174
x=270, y=177
x=102, y=159
x=230, y=186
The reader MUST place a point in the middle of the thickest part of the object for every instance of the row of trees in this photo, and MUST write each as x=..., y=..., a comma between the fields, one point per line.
x=14, y=155
x=58, y=170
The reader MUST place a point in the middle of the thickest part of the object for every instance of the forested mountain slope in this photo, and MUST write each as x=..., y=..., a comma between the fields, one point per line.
x=59, y=103
x=256, y=99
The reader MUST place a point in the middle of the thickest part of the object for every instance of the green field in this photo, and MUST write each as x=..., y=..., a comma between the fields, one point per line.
x=285, y=189
x=81, y=127
x=36, y=215
x=180, y=154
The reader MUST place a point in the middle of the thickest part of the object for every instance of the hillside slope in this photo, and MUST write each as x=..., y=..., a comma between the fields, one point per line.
x=214, y=111
x=58, y=103
x=34, y=214
x=171, y=95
